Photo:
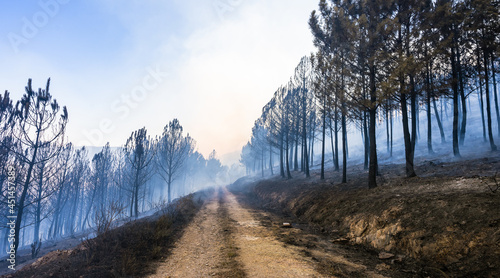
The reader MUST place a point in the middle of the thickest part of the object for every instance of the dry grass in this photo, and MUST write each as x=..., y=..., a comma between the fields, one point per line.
x=126, y=251
x=230, y=266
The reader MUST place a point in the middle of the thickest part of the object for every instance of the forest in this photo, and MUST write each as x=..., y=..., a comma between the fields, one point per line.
x=54, y=189
x=407, y=73
x=389, y=84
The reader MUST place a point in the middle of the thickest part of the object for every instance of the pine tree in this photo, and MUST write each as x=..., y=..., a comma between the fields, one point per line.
x=39, y=122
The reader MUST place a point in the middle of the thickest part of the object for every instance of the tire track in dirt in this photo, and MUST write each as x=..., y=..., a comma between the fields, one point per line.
x=197, y=253
x=260, y=254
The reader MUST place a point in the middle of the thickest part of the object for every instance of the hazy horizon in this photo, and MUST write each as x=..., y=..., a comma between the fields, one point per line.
x=121, y=66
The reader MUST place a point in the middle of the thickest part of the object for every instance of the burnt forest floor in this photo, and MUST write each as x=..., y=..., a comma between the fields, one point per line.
x=443, y=223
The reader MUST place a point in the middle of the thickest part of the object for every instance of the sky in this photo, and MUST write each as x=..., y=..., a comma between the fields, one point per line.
x=120, y=65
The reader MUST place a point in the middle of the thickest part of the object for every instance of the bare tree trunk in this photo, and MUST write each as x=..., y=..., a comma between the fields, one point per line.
x=136, y=201
x=282, y=169
x=480, y=96
x=20, y=211
x=372, y=171
x=55, y=222
x=331, y=139
x=323, y=142
x=344, y=125
x=344, y=145
x=429, y=125
x=169, y=189
x=493, y=73
x=417, y=117
x=414, y=116
x=302, y=164
x=304, y=135
x=287, y=160
x=311, y=142
x=409, y=154
x=392, y=133
x=36, y=235
x=456, y=148
x=366, y=140
x=462, y=98
x=296, y=158
x=409, y=139
x=428, y=102
x=386, y=129
x=336, y=159
x=488, y=106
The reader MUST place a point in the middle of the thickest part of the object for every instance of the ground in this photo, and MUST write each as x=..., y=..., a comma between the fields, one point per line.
x=203, y=252
x=255, y=246
x=443, y=223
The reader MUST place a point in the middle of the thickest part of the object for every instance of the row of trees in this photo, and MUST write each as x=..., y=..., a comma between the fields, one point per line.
x=377, y=60
x=59, y=191
x=286, y=127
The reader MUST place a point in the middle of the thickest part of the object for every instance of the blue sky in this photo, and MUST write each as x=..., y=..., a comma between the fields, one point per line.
x=122, y=65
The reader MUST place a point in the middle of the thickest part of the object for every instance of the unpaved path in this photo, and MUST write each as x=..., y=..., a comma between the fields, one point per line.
x=223, y=227
x=260, y=253
x=197, y=253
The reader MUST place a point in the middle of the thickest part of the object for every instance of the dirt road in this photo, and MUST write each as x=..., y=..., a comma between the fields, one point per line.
x=228, y=240
x=197, y=254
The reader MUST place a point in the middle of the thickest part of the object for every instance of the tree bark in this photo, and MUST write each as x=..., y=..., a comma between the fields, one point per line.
x=429, y=125
x=387, y=135
x=20, y=211
x=414, y=116
x=323, y=143
x=454, y=85
x=169, y=184
x=55, y=222
x=296, y=155
x=428, y=102
x=311, y=142
x=409, y=151
x=282, y=169
x=488, y=105
x=462, y=98
x=336, y=160
x=344, y=145
x=495, y=92
x=331, y=139
x=372, y=171
x=366, y=142
x=304, y=133
x=289, y=176
x=438, y=119
x=38, y=214
x=344, y=124
x=392, y=133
